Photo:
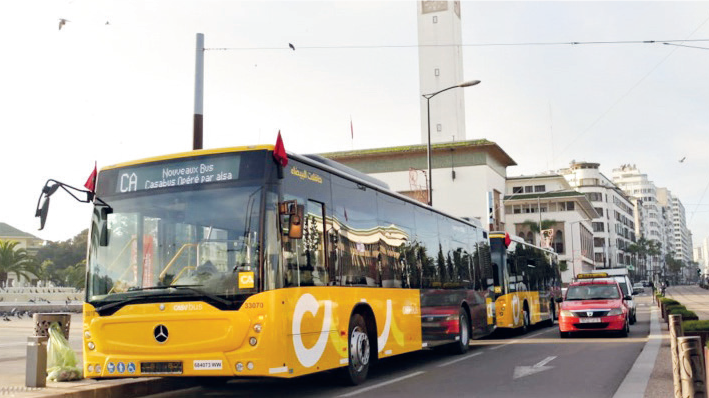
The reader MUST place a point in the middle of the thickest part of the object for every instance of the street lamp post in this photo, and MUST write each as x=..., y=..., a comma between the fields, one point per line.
x=428, y=113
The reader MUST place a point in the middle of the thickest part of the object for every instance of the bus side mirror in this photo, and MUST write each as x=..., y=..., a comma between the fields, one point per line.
x=295, y=228
x=42, y=213
x=291, y=218
x=103, y=233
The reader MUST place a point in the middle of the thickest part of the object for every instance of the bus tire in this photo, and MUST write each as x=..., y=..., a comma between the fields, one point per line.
x=359, y=351
x=461, y=346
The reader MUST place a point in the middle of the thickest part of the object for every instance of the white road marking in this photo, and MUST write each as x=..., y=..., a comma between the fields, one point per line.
x=459, y=359
x=370, y=388
x=522, y=371
x=502, y=345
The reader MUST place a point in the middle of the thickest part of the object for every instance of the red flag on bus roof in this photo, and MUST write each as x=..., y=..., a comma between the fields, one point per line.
x=91, y=182
x=279, y=152
x=507, y=240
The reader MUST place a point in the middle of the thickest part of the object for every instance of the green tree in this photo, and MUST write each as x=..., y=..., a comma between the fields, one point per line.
x=74, y=275
x=534, y=226
x=639, y=251
x=56, y=257
x=15, y=260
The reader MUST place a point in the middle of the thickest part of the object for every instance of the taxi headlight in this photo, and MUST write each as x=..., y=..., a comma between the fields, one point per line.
x=616, y=311
x=566, y=313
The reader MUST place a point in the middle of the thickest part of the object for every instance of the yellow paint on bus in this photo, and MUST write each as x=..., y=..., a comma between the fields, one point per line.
x=256, y=340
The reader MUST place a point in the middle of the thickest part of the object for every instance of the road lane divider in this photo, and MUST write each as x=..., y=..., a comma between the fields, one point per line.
x=459, y=359
x=382, y=384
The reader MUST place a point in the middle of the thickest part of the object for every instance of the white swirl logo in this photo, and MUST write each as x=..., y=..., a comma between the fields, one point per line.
x=307, y=303
x=382, y=340
x=515, y=308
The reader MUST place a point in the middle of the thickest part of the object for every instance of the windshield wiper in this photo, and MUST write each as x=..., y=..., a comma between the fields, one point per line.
x=176, y=287
x=192, y=288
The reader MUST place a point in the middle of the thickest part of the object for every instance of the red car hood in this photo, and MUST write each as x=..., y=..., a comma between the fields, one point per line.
x=575, y=305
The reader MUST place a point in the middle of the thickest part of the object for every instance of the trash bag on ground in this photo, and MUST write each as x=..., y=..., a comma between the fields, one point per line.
x=62, y=363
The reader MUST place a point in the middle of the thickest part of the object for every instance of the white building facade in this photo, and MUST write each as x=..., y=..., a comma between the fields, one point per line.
x=614, y=229
x=543, y=199
x=634, y=183
x=468, y=177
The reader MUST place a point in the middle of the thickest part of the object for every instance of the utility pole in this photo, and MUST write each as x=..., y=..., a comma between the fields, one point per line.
x=198, y=93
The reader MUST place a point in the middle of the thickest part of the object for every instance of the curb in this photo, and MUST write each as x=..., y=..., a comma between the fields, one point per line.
x=111, y=388
x=635, y=382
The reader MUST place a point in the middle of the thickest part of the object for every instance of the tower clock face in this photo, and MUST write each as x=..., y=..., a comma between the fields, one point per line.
x=433, y=6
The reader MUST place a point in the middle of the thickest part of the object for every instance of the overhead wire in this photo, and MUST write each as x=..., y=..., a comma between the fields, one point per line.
x=556, y=43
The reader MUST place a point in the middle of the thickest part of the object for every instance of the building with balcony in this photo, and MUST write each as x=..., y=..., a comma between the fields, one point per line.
x=533, y=201
x=614, y=229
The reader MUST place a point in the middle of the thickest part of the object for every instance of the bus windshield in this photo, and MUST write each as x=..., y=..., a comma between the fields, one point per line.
x=177, y=245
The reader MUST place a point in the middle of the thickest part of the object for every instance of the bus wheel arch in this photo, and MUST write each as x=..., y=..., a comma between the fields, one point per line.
x=526, y=317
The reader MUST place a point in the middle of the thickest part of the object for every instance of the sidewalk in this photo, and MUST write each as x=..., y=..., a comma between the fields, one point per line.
x=13, y=349
x=695, y=299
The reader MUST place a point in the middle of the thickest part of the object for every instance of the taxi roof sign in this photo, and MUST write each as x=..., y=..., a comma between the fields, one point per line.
x=592, y=275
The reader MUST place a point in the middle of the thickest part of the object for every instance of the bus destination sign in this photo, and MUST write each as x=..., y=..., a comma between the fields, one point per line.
x=175, y=174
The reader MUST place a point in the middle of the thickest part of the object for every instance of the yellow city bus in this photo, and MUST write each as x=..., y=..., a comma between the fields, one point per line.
x=231, y=263
x=528, y=281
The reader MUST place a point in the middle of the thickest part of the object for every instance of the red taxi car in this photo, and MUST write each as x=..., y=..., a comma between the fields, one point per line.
x=593, y=305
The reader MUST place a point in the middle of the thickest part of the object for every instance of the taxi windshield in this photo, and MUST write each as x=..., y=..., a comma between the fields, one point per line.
x=592, y=292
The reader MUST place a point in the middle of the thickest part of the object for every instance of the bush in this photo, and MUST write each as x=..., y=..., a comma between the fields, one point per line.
x=685, y=313
x=668, y=301
x=695, y=326
x=671, y=307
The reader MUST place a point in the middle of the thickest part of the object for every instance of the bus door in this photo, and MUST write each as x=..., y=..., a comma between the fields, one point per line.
x=305, y=257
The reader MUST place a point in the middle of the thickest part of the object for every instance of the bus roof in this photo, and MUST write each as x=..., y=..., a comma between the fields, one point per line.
x=198, y=152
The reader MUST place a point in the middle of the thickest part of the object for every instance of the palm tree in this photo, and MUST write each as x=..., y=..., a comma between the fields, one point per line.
x=654, y=249
x=639, y=250
x=534, y=226
x=14, y=260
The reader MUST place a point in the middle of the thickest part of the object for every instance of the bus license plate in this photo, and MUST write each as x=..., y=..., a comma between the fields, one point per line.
x=161, y=368
x=590, y=320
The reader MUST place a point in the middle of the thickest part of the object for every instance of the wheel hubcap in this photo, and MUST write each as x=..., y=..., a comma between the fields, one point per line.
x=463, y=330
x=359, y=349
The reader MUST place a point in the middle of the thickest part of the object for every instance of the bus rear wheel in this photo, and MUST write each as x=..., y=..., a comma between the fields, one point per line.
x=359, y=351
x=461, y=346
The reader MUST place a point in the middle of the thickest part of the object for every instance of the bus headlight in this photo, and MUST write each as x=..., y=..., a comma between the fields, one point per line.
x=87, y=334
x=91, y=345
x=97, y=368
x=252, y=341
x=239, y=366
x=257, y=328
x=250, y=365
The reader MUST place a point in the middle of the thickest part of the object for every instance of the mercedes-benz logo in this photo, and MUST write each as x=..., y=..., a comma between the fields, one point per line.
x=160, y=333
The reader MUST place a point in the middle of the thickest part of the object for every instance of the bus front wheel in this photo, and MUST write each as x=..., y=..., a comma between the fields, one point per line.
x=359, y=350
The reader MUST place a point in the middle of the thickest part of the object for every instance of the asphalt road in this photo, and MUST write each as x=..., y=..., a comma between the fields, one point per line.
x=538, y=364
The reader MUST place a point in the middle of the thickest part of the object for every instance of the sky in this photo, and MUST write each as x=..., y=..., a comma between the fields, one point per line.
x=116, y=83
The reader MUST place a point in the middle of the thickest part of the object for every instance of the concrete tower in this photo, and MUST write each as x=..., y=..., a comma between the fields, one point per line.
x=441, y=66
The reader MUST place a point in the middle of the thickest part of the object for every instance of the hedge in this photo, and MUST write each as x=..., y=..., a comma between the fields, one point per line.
x=695, y=326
